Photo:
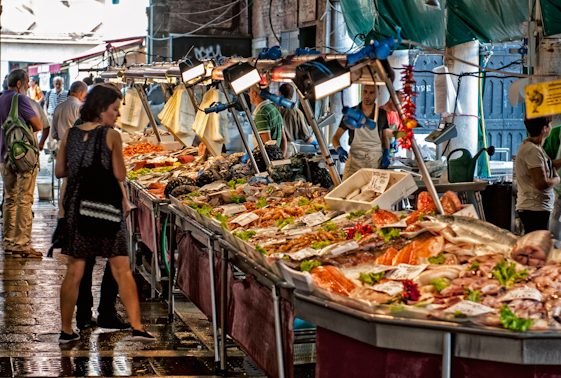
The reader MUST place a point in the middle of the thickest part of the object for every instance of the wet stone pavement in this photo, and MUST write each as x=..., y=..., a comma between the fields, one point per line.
x=30, y=326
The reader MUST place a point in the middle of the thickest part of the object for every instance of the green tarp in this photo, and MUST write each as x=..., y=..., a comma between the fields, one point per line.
x=466, y=20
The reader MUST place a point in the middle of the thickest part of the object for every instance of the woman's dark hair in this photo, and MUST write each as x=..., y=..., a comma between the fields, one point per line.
x=98, y=100
x=286, y=91
x=534, y=126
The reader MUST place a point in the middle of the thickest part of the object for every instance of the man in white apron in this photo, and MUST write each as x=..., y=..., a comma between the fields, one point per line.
x=366, y=145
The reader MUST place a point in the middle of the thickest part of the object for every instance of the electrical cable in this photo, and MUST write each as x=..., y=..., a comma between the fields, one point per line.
x=206, y=11
x=229, y=6
x=271, y=21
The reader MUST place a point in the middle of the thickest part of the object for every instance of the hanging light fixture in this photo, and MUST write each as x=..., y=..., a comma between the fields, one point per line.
x=241, y=76
x=191, y=72
x=319, y=78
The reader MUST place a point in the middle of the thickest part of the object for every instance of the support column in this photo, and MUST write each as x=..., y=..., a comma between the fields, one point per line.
x=467, y=122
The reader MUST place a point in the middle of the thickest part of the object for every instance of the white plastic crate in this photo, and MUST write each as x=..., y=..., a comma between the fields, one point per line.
x=401, y=185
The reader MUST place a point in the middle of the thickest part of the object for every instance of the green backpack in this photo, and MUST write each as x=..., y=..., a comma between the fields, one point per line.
x=22, y=152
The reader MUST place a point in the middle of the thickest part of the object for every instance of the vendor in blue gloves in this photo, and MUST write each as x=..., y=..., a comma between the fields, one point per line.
x=369, y=148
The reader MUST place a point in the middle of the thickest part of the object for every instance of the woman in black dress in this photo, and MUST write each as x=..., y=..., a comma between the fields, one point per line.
x=95, y=143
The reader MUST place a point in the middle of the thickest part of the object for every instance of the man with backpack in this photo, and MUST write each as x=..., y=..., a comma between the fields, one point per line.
x=19, y=156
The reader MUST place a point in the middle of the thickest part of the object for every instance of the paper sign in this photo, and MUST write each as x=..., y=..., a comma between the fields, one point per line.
x=232, y=209
x=213, y=186
x=268, y=231
x=379, y=181
x=406, y=272
x=469, y=308
x=543, y=99
x=245, y=219
x=523, y=293
x=314, y=219
x=390, y=287
x=299, y=231
x=354, y=272
x=339, y=249
x=303, y=254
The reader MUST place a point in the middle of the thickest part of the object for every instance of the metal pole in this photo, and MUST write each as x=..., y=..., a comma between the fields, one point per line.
x=245, y=108
x=240, y=130
x=139, y=88
x=420, y=162
x=223, y=308
x=278, y=333
x=319, y=137
x=210, y=248
x=447, y=355
x=171, y=278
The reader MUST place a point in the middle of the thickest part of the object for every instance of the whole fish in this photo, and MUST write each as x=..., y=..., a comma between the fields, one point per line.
x=487, y=237
x=533, y=248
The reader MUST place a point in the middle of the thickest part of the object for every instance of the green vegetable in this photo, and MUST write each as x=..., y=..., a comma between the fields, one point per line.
x=439, y=259
x=459, y=314
x=237, y=199
x=283, y=222
x=308, y=265
x=245, y=235
x=232, y=183
x=261, y=203
x=473, y=295
x=196, y=193
x=389, y=233
x=421, y=217
x=440, y=283
x=507, y=275
x=357, y=236
x=474, y=266
x=510, y=321
x=139, y=172
x=223, y=219
x=375, y=208
x=319, y=206
x=320, y=244
x=329, y=226
x=204, y=210
x=260, y=250
x=302, y=201
x=356, y=214
x=371, y=278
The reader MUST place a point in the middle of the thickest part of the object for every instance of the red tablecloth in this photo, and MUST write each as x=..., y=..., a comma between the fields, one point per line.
x=340, y=356
x=145, y=224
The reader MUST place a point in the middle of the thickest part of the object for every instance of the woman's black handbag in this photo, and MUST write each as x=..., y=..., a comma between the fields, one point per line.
x=100, y=208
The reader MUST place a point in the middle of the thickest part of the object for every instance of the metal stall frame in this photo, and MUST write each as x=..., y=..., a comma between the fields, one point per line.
x=431, y=336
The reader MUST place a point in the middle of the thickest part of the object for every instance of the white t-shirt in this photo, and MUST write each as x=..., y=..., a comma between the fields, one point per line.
x=529, y=156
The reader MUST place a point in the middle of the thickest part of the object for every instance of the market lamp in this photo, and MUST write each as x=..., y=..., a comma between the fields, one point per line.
x=241, y=76
x=191, y=72
x=319, y=78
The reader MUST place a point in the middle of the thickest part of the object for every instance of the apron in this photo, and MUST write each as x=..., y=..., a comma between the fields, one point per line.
x=366, y=150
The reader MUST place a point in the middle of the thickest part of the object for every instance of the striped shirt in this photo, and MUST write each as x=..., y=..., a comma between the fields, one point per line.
x=268, y=119
x=54, y=99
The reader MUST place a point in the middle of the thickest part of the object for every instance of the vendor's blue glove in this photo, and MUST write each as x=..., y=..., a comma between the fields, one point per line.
x=315, y=144
x=343, y=155
x=245, y=158
x=385, y=163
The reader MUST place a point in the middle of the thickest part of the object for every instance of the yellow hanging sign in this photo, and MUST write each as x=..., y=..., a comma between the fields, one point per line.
x=543, y=99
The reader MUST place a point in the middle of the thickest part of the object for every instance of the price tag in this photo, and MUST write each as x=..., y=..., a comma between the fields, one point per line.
x=523, y=293
x=353, y=272
x=340, y=248
x=401, y=224
x=266, y=231
x=389, y=287
x=213, y=186
x=379, y=181
x=314, y=219
x=303, y=254
x=299, y=231
x=273, y=242
x=245, y=219
x=232, y=209
x=406, y=272
x=469, y=308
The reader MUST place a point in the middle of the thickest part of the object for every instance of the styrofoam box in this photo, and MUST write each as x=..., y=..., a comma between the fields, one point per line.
x=468, y=211
x=400, y=186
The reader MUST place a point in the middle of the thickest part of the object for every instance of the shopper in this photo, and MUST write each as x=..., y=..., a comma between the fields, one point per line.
x=44, y=120
x=296, y=127
x=268, y=119
x=95, y=144
x=35, y=93
x=552, y=148
x=55, y=96
x=368, y=147
x=19, y=187
x=535, y=177
x=66, y=114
